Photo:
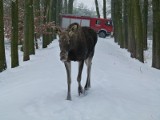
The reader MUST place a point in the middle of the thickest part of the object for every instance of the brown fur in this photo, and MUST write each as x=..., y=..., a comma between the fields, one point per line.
x=82, y=43
x=77, y=44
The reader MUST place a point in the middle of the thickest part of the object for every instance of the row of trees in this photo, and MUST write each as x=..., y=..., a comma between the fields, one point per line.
x=130, y=18
x=24, y=21
x=105, y=9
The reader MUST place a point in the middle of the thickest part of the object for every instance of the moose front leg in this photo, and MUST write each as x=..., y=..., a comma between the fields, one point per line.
x=68, y=71
x=80, y=68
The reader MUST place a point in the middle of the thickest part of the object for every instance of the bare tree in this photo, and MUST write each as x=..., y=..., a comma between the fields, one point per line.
x=3, y=64
x=70, y=6
x=31, y=28
x=138, y=28
x=145, y=22
x=125, y=22
x=97, y=8
x=28, y=30
x=14, y=38
x=65, y=6
x=156, y=34
x=117, y=15
x=104, y=8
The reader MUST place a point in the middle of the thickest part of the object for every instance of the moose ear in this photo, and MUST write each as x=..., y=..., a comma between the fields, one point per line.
x=72, y=29
x=57, y=30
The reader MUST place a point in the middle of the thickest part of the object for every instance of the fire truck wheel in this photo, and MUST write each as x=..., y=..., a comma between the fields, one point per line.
x=102, y=34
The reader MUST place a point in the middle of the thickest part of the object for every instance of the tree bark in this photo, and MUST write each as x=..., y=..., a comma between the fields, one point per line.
x=118, y=31
x=37, y=10
x=156, y=34
x=114, y=18
x=14, y=38
x=65, y=6
x=104, y=8
x=112, y=10
x=38, y=21
x=131, y=37
x=125, y=23
x=138, y=31
x=70, y=6
x=120, y=23
x=58, y=10
x=3, y=64
x=45, y=13
x=31, y=28
x=28, y=30
x=97, y=8
x=145, y=22
x=52, y=16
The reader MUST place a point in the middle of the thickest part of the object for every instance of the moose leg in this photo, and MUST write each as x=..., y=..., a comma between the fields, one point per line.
x=88, y=63
x=68, y=71
x=80, y=68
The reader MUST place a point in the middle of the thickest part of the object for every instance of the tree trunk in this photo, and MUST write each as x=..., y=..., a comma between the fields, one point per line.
x=112, y=10
x=97, y=8
x=118, y=23
x=37, y=21
x=104, y=8
x=37, y=11
x=131, y=38
x=125, y=23
x=156, y=34
x=53, y=11
x=119, y=27
x=14, y=38
x=65, y=6
x=58, y=10
x=114, y=18
x=70, y=6
x=3, y=64
x=45, y=13
x=27, y=28
x=145, y=22
x=138, y=31
x=52, y=16
x=31, y=28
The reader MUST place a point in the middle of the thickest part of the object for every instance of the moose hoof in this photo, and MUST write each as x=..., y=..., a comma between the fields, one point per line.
x=80, y=90
x=87, y=86
x=68, y=97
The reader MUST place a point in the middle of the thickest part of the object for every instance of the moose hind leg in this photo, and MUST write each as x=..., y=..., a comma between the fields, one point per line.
x=68, y=71
x=80, y=68
x=89, y=64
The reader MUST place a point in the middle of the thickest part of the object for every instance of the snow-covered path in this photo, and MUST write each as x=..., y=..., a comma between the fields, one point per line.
x=122, y=88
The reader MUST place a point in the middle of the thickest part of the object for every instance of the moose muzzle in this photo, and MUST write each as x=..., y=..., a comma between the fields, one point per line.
x=63, y=56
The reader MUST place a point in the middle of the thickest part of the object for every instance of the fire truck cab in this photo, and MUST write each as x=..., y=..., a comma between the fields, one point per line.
x=103, y=27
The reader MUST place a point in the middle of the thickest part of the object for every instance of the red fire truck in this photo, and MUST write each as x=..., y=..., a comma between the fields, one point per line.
x=102, y=26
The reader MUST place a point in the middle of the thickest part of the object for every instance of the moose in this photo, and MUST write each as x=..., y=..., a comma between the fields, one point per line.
x=77, y=44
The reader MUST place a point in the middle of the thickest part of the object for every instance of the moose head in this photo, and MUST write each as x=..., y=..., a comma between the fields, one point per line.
x=65, y=39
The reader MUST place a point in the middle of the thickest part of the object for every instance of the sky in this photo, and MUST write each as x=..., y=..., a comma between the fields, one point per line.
x=122, y=88
x=89, y=3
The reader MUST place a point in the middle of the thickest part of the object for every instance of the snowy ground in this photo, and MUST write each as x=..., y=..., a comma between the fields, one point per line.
x=122, y=88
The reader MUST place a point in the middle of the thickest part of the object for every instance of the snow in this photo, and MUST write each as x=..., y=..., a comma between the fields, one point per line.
x=122, y=87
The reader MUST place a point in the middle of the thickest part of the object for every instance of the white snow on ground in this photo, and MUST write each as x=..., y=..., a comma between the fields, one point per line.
x=122, y=88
